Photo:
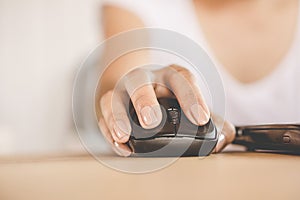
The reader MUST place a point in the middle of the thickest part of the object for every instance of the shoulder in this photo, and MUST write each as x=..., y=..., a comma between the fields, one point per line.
x=152, y=13
x=117, y=19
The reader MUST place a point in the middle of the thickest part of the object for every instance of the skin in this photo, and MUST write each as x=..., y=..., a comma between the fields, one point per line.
x=239, y=34
x=250, y=37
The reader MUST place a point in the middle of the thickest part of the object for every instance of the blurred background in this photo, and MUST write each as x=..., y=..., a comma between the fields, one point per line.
x=42, y=44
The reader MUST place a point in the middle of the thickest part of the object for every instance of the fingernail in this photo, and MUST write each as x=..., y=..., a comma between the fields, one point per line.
x=120, y=151
x=199, y=115
x=121, y=129
x=150, y=115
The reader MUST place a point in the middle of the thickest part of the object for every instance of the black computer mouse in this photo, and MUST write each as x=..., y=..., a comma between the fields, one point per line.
x=175, y=136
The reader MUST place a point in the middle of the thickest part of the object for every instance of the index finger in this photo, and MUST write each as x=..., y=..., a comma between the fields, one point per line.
x=139, y=86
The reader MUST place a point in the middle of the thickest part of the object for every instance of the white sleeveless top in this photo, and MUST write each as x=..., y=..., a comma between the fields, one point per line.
x=273, y=99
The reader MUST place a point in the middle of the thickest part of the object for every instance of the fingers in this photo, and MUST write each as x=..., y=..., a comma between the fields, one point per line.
x=183, y=85
x=226, y=133
x=120, y=149
x=115, y=116
x=138, y=84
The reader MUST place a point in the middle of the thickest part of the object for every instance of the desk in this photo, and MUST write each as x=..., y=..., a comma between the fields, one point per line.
x=219, y=176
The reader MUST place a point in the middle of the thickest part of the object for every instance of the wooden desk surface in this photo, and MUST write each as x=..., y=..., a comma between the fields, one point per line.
x=221, y=176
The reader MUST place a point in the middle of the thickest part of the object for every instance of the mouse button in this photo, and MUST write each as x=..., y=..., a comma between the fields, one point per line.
x=167, y=131
x=206, y=129
x=140, y=133
x=186, y=128
x=209, y=133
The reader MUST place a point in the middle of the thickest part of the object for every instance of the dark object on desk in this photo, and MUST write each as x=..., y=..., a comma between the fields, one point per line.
x=175, y=136
x=284, y=138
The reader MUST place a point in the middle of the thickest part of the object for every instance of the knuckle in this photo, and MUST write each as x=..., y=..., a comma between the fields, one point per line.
x=177, y=71
x=188, y=75
x=135, y=80
x=106, y=99
x=136, y=72
x=192, y=95
x=142, y=101
x=107, y=95
x=189, y=94
x=177, y=67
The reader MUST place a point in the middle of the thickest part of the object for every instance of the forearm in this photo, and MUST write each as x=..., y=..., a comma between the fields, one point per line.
x=119, y=67
x=115, y=21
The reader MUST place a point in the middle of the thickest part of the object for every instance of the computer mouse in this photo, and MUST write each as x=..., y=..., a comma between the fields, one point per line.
x=175, y=136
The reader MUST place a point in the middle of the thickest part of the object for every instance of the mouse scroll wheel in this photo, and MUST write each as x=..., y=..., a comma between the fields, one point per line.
x=173, y=116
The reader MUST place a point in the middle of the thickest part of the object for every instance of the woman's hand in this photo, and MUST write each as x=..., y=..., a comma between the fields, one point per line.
x=144, y=87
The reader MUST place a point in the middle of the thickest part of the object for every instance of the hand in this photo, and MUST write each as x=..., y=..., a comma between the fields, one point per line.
x=144, y=87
